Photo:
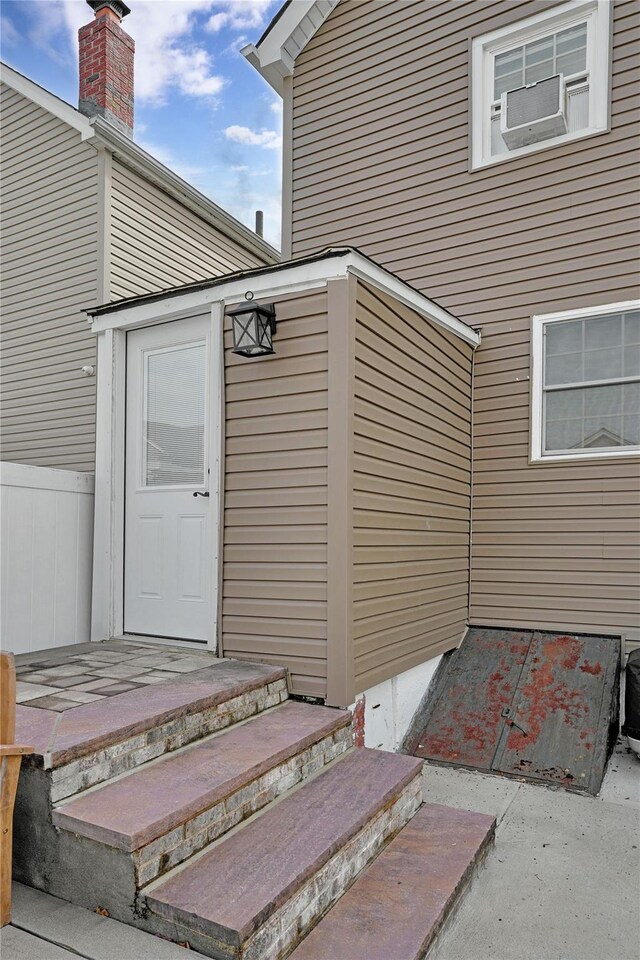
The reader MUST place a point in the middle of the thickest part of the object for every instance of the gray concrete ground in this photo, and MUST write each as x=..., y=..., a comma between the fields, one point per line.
x=563, y=881
x=46, y=928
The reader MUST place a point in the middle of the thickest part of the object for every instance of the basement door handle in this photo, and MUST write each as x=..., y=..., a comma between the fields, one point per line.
x=506, y=713
x=198, y=493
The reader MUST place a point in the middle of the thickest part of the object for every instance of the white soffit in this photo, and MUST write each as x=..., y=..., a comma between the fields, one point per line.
x=274, y=56
x=309, y=274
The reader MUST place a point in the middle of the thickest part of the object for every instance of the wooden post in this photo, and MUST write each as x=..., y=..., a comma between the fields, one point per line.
x=10, y=760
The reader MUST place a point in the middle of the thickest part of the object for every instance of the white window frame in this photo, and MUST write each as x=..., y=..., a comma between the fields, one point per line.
x=538, y=324
x=597, y=15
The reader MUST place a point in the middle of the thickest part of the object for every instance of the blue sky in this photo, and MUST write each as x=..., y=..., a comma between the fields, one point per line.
x=200, y=108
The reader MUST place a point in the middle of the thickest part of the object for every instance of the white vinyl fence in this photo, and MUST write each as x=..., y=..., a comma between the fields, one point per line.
x=46, y=545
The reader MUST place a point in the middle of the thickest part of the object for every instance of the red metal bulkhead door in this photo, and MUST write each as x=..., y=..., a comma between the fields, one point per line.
x=466, y=724
x=556, y=728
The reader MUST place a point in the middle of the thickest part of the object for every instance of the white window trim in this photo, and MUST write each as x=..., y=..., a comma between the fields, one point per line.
x=537, y=365
x=598, y=15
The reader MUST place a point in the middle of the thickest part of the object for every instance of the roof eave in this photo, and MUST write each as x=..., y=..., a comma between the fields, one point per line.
x=144, y=163
x=277, y=280
x=285, y=38
x=99, y=131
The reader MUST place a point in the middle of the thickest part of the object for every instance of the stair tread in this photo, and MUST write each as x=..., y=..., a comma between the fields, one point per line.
x=153, y=800
x=244, y=878
x=398, y=903
x=94, y=726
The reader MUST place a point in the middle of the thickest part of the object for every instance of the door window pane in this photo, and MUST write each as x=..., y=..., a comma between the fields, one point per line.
x=175, y=391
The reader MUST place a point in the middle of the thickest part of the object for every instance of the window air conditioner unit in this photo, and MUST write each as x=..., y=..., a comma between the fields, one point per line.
x=533, y=113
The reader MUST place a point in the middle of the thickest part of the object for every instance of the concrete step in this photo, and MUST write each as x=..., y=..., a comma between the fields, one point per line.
x=164, y=812
x=99, y=740
x=255, y=893
x=397, y=906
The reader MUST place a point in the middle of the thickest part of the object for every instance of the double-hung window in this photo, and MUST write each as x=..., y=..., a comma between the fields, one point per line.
x=541, y=81
x=586, y=383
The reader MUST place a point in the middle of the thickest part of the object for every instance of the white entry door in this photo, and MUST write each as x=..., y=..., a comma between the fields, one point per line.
x=169, y=503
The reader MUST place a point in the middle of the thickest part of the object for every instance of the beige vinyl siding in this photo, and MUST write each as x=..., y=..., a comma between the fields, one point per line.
x=49, y=248
x=275, y=501
x=157, y=243
x=412, y=462
x=381, y=161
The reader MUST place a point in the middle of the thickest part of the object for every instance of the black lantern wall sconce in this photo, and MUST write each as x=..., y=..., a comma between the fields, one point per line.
x=253, y=328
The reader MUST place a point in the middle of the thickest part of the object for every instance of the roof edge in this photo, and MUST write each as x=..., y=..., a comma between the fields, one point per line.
x=47, y=100
x=290, y=30
x=100, y=131
x=134, y=156
x=306, y=273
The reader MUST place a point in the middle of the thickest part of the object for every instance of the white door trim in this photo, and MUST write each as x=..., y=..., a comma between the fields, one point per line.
x=107, y=610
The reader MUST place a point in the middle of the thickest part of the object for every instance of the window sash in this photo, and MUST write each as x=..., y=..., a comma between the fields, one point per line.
x=585, y=384
x=555, y=67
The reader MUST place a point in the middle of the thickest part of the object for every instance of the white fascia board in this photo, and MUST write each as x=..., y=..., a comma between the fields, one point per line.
x=52, y=104
x=270, y=57
x=380, y=278
x=293, y=279
x=273, y=284
x=151, y=169
x=291, y=18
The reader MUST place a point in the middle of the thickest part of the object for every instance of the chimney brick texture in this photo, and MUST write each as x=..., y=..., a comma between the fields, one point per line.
x=106, y=71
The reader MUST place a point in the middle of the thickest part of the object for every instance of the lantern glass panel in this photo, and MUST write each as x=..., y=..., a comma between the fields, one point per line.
x=252, y=331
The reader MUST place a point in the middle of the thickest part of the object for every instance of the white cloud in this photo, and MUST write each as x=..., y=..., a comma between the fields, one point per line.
x=10, y=35
x=166, y=54
x=238, y=14
x=254, y=138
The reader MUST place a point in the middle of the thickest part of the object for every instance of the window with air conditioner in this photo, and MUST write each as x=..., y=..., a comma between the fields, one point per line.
x=541, y=82
x=586, y=383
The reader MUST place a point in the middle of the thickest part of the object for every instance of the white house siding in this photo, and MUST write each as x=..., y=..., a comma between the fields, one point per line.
x=157, y=242
x=49, y=257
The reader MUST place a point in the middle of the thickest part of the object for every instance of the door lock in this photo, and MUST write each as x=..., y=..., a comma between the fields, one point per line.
x=199, y=493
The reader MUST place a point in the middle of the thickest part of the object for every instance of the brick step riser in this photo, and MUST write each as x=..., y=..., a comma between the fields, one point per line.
x=72, y=778
x=154, y=859
x=286, y=926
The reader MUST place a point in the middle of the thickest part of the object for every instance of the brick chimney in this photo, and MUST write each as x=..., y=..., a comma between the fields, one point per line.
x=106, y=66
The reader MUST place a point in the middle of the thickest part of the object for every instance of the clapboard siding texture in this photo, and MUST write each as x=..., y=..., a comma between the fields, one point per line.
x=275, y=501
x=381, y=161
x=412, y=479
x=157, y=243
x=52, y=256
x=49, y=273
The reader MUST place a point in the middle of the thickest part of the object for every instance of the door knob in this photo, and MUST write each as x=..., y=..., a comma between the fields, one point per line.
x=199, y=493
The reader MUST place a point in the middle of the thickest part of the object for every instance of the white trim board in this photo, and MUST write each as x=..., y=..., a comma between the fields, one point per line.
x=598, y=15
x=290, y=278
x=286, y=37
x=48, y=101
x=103, y=134
x=537, y=359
